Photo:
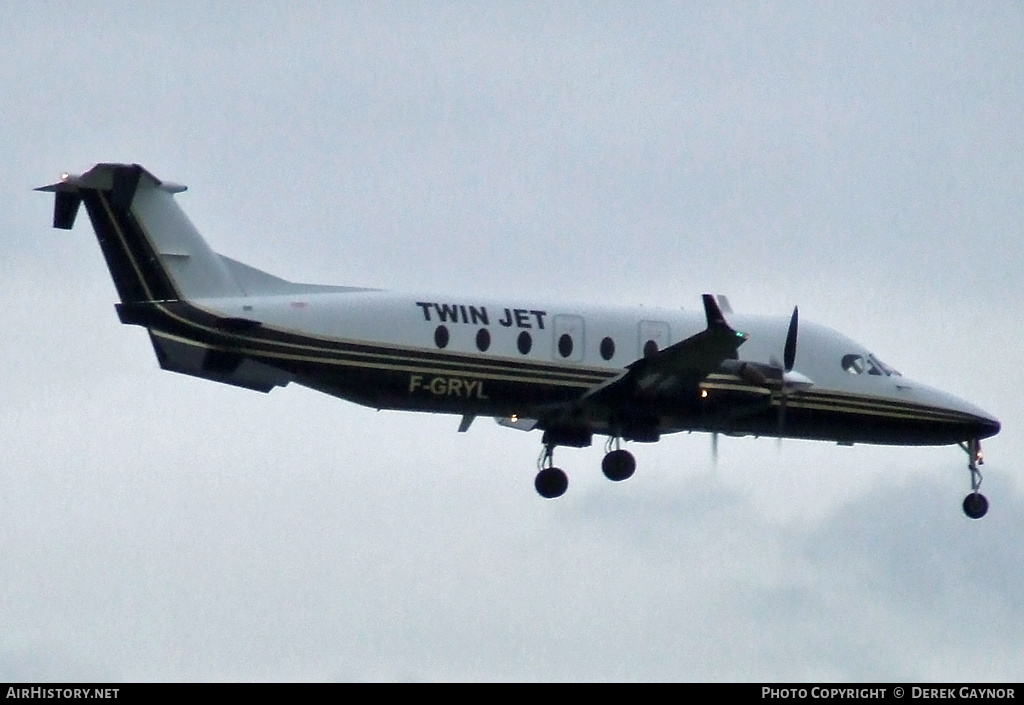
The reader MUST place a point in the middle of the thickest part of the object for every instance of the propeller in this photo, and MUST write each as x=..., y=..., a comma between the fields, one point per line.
x=789, y=351
x=762, y=375
x=789, y=381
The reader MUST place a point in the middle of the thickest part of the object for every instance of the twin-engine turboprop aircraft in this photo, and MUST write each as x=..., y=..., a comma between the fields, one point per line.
x=571, y=372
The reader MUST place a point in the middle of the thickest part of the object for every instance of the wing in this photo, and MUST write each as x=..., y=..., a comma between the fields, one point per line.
x=678, y=369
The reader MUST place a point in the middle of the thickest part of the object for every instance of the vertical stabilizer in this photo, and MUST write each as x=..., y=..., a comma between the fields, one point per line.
x=153, y=251
x=197, y=271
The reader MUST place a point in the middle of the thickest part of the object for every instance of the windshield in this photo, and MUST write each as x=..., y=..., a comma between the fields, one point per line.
x=857, y=364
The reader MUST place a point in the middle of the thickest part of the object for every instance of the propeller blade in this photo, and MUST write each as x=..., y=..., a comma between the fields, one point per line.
x=714, y=449
x=789, y=381
x=789, y=356
x=782, y=417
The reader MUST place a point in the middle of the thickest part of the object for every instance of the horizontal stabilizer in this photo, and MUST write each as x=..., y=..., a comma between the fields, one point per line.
x=152, y=249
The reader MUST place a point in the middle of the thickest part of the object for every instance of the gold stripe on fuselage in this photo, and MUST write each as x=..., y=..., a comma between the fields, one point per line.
x=263, y=356
x=842, y=402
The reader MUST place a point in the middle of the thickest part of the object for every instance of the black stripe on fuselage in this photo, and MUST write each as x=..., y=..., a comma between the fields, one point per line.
x=407, y=386
x=379, y=376
x=290, y=349
x=303, y=353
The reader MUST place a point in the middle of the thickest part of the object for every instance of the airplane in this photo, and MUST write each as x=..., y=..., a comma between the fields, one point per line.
x=571, y=372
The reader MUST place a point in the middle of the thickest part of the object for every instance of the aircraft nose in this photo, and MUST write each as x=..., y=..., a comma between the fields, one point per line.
x=986, y=426
x=980, y=424
x=974, y=422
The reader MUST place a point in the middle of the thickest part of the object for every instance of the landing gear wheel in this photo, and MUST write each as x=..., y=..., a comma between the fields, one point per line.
x=975, y=505
x=551, y=483
x=618, y=465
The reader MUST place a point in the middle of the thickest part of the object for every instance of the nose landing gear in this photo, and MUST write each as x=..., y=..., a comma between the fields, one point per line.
x=975, y=504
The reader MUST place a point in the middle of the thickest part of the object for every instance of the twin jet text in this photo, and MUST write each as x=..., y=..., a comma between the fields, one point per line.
x=462, y=313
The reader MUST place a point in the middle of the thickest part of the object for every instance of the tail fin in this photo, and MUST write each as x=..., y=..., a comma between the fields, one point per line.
x=153, y=251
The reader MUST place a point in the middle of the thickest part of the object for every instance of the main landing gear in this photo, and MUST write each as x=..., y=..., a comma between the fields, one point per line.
x=551, y=482
x=618, y=464
x=975, y=504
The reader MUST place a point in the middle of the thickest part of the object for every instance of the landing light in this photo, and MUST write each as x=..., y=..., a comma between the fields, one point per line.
x=513, y=418
x=703, y=394
x=64, y=176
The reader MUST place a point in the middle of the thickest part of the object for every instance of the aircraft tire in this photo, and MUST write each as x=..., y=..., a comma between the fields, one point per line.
x=975, y=505
x=551, y=483
x=618, y=465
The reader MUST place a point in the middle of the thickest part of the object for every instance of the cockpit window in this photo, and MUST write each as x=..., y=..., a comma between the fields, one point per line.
x=866, y=364
x=854, y=364
x=885, y=368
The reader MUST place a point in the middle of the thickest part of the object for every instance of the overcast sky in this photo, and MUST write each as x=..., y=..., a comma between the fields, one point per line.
x=863, y=161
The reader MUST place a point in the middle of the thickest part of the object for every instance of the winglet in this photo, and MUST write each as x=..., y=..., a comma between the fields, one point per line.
x=120, y=180
x=716, y=319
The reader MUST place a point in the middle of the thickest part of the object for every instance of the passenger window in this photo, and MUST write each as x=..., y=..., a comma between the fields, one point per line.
x=607, y=348
x=441, y=337
x=565, y=345
x=524, y=342
x=483, y=340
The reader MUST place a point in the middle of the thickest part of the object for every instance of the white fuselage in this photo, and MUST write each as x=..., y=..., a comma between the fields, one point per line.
x=403, y=322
